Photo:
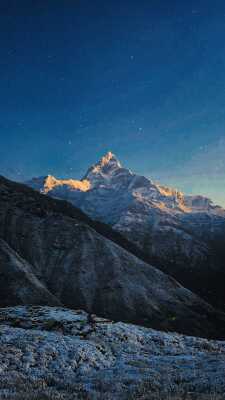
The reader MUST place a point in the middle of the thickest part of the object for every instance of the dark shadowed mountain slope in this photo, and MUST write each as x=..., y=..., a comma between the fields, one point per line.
x=18, y=283
x=84, y=269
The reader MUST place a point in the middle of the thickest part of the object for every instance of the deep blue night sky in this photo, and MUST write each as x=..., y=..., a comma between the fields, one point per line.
x=144, y=79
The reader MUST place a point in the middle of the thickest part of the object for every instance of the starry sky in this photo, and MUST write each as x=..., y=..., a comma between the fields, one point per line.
x=144, y=79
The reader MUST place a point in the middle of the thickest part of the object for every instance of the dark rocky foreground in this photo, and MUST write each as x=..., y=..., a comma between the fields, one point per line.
x=51, y=253
x=55, y=353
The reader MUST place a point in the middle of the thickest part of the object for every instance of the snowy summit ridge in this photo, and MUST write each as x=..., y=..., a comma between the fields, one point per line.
x=108, y=164
x=107, y=186
x=109, y=173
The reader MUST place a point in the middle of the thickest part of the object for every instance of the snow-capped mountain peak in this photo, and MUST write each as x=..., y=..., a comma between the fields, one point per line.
x=108, y=164
x=110, y=180
x=109, y=159
x=170, y=227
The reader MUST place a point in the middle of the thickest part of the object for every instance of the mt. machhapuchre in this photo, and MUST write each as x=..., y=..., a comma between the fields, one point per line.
x=182, y=235
x=53, y=250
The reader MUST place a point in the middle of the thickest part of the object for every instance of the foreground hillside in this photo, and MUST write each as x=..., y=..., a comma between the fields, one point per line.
x=54, y=353
x=50, y=254
x=18, y=283
x=183, y=235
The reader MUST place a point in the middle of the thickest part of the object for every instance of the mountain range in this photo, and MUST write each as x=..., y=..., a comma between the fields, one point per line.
x=52, y=253
x=182, y=235
x=77, y=257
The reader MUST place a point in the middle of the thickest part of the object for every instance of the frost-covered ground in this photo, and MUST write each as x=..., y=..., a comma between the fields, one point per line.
x=55, y=353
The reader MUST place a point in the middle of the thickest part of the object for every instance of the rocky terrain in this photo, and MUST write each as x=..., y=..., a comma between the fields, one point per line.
x=53, y=254
x=183, y=235
x=54, y=353
x=18, y=283
x=48, y=243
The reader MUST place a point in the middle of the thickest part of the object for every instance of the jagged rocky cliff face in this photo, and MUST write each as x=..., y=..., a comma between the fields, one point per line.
x=182, y=235
x=78, y=265
x=54, y=353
